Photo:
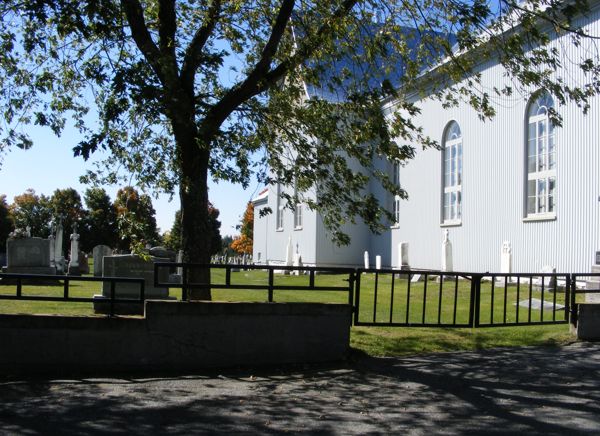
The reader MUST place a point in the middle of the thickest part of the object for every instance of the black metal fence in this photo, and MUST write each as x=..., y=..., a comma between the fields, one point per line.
x=457, y=299
x=18, y=280
x=384, y=297
x=269, y=285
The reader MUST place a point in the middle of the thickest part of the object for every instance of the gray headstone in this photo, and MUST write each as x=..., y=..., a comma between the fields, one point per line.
x=98, y=254
x=28, y=252
x=84, y=267
x=28, y=256
x=130, y=265
x=163, y=252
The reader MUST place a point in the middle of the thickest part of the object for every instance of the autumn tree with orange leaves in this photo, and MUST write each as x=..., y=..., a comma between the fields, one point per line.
x=242, y=244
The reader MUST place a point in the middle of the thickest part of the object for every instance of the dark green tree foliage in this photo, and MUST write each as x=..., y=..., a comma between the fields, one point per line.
x=226, y=249
x=100, y=221
x=33, y=211
x=66, y=206
x=136, y=221
x=174, y=236
x=6, y=223
x=215, y=229
x=173, y=110
x=172, y=239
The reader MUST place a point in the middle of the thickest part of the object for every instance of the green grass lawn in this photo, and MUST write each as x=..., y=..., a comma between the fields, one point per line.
x=427, y=302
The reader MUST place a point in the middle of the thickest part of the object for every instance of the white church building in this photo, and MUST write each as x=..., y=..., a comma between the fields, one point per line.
x=515, y=179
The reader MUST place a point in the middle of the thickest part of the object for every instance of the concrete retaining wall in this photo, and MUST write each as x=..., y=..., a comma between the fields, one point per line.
x=177, y=336
x=588, y=322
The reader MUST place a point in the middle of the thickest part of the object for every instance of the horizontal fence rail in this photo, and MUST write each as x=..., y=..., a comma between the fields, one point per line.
x=379, y=297
x=18, y=280
x=187, y=282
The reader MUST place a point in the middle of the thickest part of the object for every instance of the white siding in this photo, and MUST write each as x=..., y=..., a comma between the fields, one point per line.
x=277, y=241
x=493, y=189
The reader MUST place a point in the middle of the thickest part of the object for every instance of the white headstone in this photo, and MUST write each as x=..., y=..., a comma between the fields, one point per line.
x=289, y=253
x=447, y=252
x=403, y=255
x=506, y=258
x=378, y=262
x=297, y=262
x=366, y=258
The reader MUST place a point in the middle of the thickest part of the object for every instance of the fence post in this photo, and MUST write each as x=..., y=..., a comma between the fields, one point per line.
x=475, y=296
x=351, y=281
x=356, y=296
x=572, y=299
x=270, y=295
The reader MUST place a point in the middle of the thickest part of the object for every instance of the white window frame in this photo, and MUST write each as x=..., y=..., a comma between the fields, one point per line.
x=298, y=217
x=396, y=200
x=452, y=169
x=540, y=161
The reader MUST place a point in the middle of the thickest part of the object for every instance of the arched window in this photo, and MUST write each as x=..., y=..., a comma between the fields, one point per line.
x=452, y=177
x=541, y=158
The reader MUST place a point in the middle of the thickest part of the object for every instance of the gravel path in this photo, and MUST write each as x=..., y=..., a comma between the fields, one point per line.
x=541, y=390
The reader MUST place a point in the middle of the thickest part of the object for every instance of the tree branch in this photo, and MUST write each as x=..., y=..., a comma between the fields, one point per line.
x=261, y=79
x=166, y=30
x=141, y=36
x=193, y=58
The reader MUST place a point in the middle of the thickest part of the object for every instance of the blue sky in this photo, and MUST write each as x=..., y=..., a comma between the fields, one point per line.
x=50, y=165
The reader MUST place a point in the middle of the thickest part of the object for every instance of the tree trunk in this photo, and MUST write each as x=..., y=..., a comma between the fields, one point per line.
x=193, y=193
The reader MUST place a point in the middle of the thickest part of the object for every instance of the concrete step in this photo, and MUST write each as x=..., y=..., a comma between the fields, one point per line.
x=596, y=269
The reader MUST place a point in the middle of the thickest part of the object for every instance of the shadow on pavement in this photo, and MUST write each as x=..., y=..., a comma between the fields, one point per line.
x=541, y=390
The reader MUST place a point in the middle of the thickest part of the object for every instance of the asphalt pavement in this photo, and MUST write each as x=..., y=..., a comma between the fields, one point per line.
x=537, y=390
